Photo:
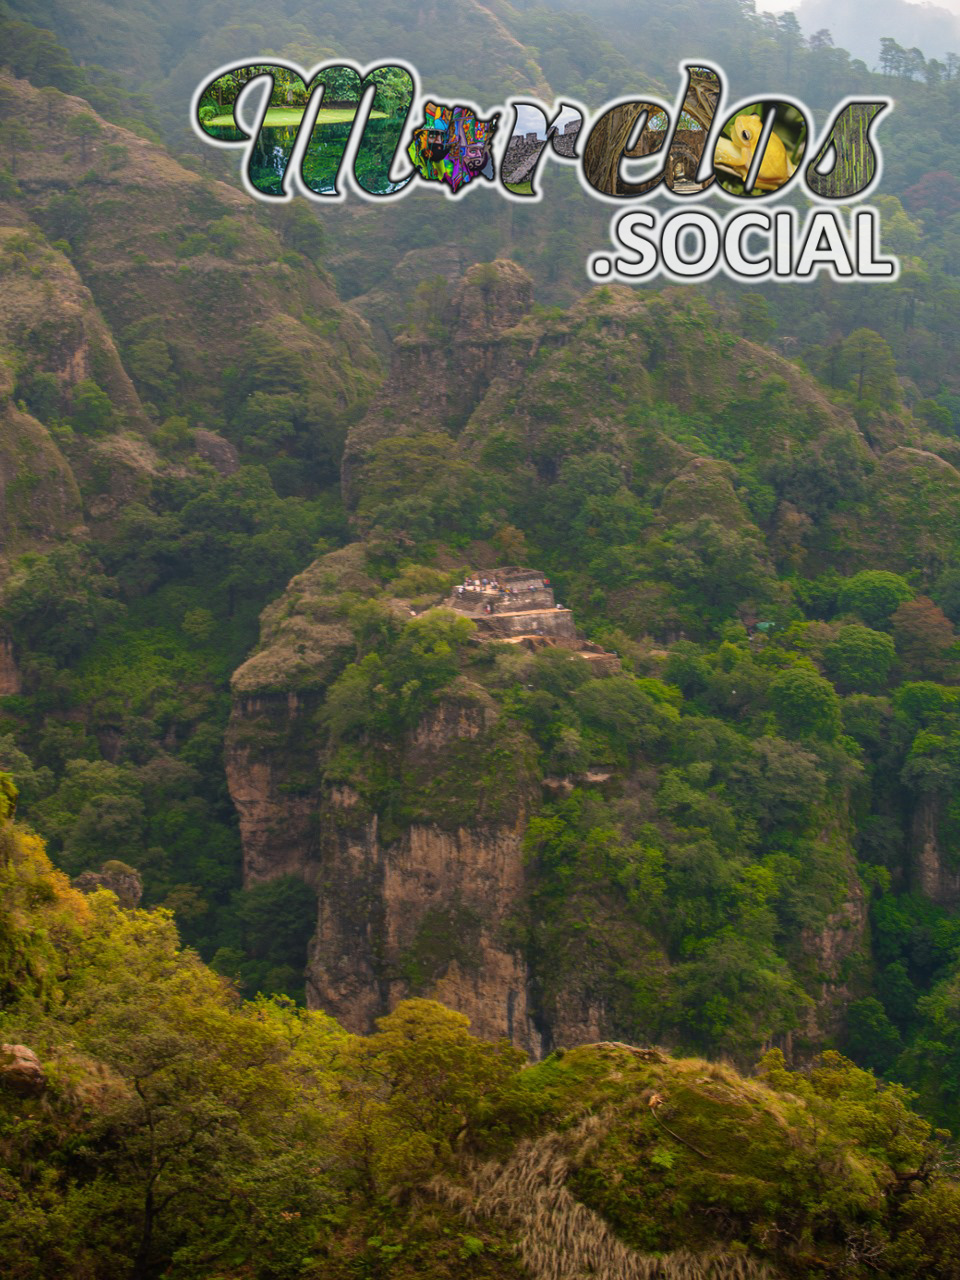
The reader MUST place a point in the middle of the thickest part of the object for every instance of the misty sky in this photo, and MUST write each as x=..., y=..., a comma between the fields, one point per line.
x=778, y=6
x=527, y=121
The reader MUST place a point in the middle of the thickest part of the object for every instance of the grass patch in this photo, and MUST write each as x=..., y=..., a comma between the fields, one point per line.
x=277, y=117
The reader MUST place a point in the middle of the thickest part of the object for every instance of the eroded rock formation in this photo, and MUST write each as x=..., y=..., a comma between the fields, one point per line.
x=416, y=905
x=933, y=872
x=414, y=842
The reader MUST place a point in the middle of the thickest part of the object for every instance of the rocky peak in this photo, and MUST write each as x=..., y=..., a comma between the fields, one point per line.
x=491, y=297
x=441, y=372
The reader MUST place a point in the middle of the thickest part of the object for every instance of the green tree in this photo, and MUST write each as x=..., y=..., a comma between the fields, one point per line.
x=872, y=1039
x=734, y=988
x=805, y=704
x=8, y=797
x=303, y=230
x=55, y=603
x=16, y=138
x=83, y=127
x=277, y=920
x=149, y=364
x=859, y=659
x=874, y=595
x=924, y=637
x=91, y=411
x=869, y=368
x=427, y=1085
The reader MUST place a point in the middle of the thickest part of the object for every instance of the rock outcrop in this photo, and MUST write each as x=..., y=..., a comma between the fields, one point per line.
x=932, y=873
x=10, y=680
x=273, y=745
x=421, y=882
x=116, y=876
x=437, y=379
x=21, y=1070
x=220, y=453
x=413, y=902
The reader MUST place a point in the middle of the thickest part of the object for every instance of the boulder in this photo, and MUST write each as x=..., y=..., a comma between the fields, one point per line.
x=20, y=1070
x=220, y=453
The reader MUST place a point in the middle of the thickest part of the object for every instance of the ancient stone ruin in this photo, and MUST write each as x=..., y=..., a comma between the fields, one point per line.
x=685, y=154
x=524, y=150
x=514, y=605
x=686, y=151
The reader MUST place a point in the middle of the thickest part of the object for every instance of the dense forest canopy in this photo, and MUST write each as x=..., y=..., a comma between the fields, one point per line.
x=247, y=456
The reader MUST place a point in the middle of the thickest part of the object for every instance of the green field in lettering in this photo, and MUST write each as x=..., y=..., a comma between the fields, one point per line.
x=279, y=116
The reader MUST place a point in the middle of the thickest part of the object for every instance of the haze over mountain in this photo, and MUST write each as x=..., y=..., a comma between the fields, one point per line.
x=928, y=27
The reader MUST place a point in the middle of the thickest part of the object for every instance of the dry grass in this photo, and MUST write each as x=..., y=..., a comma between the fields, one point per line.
x=558, y=1237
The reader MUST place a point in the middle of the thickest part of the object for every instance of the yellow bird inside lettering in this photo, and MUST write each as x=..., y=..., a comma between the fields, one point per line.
x=735, y=155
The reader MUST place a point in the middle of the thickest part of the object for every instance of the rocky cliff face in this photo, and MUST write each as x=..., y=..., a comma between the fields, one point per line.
x=424, y=912
x=932, y=872
x=837, y=957
x=417, y=904
x=261, y=750
x=421, y=911
x=272, y=750
x=48, y=311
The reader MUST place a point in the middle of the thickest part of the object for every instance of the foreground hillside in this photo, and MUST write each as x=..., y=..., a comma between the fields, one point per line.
x=152, y=1123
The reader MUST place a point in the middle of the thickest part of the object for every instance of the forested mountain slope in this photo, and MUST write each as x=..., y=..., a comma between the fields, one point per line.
x=735, y=833
x=168, y=460
x=724, y=524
